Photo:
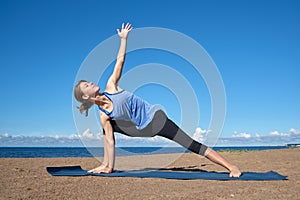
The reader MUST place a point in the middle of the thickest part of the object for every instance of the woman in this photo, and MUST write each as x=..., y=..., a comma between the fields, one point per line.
x=122, y=111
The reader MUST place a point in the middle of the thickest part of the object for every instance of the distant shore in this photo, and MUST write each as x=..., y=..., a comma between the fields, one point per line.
x=26, y=178
x=73, y=152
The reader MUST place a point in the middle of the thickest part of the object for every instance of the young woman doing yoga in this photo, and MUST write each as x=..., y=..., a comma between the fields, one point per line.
x=123, y=112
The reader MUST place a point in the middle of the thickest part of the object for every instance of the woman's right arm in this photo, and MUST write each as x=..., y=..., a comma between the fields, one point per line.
x=109, y=143
x=109, y=146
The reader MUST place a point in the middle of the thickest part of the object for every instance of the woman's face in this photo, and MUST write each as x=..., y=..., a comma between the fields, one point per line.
x=89, y=89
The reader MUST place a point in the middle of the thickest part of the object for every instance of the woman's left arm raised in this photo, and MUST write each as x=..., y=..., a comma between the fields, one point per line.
x=113, y=81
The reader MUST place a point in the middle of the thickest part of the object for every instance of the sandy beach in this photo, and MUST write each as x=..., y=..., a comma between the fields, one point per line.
x=26, y=178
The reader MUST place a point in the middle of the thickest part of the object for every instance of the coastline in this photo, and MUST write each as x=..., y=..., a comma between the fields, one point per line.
x=26, y=178
x=88, y=152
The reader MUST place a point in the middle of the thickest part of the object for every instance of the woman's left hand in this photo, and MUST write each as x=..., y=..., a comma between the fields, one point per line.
x=123, y=34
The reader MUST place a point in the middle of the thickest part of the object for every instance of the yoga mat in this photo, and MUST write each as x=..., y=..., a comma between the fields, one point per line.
x=180, y=175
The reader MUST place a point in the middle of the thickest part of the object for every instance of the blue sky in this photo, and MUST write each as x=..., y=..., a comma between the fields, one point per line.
x=255, y=45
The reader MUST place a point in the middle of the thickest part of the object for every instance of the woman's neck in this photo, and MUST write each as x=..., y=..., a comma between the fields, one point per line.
x=100, y=99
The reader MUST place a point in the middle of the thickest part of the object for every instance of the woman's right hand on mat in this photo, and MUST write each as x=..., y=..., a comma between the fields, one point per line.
x=235, y=172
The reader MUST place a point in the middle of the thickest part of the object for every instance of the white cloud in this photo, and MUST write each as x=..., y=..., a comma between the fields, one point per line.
x=294, y=131
x=123, y=140
x=74, y=136
x=4, y=135
x=200, y=135
x=21, y=140
x=88, y=135
x=94, y=139
x=241, y=135
x=273, y=138
x=276, y=133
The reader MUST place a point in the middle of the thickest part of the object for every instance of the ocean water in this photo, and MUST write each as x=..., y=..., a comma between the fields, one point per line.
x=62, y=152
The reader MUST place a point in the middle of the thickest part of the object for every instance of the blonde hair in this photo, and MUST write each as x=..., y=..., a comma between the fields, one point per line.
x=85, y=104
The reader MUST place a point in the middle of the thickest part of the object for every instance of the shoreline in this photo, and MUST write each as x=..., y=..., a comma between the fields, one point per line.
x=26, y=178
x=83, y=152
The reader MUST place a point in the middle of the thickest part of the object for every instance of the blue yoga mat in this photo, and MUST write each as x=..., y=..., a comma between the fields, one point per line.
x=180, y=175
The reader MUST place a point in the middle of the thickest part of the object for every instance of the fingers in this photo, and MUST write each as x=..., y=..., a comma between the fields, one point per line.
x=128, y=26
x=125, y=30
x=235, y=175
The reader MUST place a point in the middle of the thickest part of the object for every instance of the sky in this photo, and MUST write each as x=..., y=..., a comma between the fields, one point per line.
x=254, y=44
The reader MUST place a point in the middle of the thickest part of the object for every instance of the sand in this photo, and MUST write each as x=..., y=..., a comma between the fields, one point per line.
x=26, y=178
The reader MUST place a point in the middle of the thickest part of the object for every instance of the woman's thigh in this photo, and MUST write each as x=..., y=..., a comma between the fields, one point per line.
x=125, y=127
x=176, y=134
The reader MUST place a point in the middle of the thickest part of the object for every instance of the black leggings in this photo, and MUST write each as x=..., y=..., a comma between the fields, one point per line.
x=160, y=125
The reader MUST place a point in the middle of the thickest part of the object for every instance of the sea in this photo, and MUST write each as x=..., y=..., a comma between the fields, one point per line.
x=83, y=152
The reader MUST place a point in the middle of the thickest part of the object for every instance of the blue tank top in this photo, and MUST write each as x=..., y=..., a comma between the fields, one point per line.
x=129, y=107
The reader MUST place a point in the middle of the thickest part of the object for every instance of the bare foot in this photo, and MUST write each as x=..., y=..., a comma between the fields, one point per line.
x=101, y=169
x=235, y=172
x=97, y=168
x=106, y=170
